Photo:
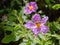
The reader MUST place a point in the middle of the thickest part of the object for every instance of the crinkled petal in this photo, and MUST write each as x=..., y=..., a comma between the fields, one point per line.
x=36, y=31
x=36, y=18
x=44, y=29
x=43, y=21
x=29, y=25
x=32, y=3
x=27, y=11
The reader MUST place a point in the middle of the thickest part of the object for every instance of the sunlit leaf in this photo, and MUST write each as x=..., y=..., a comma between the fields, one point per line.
x=42, y=36
x=56, y=6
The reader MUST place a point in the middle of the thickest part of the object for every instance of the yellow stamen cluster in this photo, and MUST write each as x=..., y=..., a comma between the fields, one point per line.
x=30, y=7
x=38, y=24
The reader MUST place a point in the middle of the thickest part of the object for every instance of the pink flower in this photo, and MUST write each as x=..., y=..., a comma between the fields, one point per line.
x=30, y=7
x=38, y=24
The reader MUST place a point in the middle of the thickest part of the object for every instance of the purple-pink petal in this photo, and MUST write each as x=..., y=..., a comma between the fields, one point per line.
x=36, y=18
x=44, y=29
x=27, y=11
x=36, y=31
x=29, y=25
x=43, y=21
x=32, y=3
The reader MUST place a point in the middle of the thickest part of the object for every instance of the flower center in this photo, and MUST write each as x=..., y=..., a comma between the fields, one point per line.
x=30, y=7
x=38, y=24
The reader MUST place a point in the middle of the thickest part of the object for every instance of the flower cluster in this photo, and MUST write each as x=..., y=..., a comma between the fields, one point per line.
x=37, y=24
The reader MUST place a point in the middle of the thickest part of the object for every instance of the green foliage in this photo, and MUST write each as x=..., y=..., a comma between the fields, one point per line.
x=49, y=1
x=8, y=38
x=56, y=6
x=57, y=25
x=9, y=28
x=16, y=20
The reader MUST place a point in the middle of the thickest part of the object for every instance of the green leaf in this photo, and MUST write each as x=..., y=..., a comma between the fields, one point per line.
x=8, y=38
x=9, y=28
x=57, y=25
x=11, y=18
x=1, y=11
x=23, y=43
x=49, y=1
x=29, y=43
x=14, y=12
x=57, y=36
x=52, y=27
x=58, y=20
x=42, y=36
x=56, y=6
x=18, y=34
x=17, y=27
x=20, y=16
